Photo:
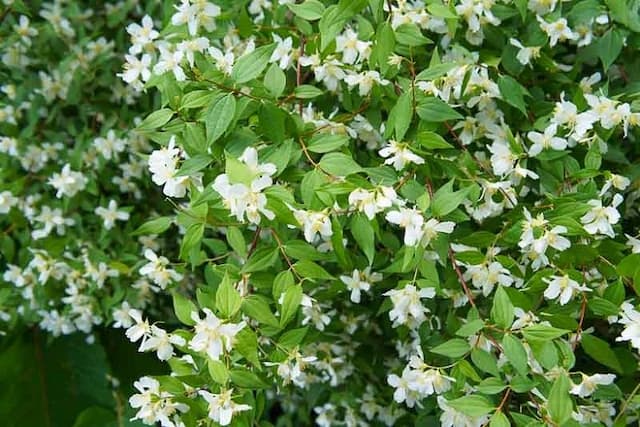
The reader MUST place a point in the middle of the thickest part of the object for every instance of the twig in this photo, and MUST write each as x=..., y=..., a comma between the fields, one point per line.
x=461, y=278
x=284, y=254
x=626, y=403
x=303, y=41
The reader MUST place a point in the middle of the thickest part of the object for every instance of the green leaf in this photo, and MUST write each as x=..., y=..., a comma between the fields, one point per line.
x=326, y=142
x=275, y=80
x=307, y=92
x=445, y=200
x=441, y=11
x=290, y=304
x=191, y=240
x=502, y=310
x=310, y=269
x=246, y=379
x=542, y=332
x=257, y=308
x=154, y=226
x=363, y=233
x=292, y=338
x=218, y=371
x=339, y=164
x=228, y=299
x=499, y=419
x=609, y=47
x=515, y=353
x=194, y=164
x=410, y=35
x=155, y=120
x=600, y=351
x=183, y=308
x=470, y=328
x=385, y=43
x=401, y=115
x=250, y=66
x=261, y=260
x=453, y=348
x=219, y=117
x=432, y=109
x=236, y=241
x=491, y=386
x=237, y=171
x=513, y=93
x=335, y=17
x=310, y=10
x=560, y=404
x=473, y=405
x=246, y=343
x=196, y=99
x=435, y=71
x=432, y=141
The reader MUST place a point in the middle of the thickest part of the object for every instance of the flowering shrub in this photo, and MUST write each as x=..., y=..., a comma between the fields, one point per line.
x=73, y=188
x=396, y=212
x=378, y=212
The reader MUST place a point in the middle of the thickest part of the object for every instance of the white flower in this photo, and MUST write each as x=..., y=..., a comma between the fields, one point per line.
x=283, y=51
x=51, y=218
x=200, y=13
x=523, y=319
x=329, y=72
x=631, y=319
x=432, y=227
x=162, y=343
x=600, y=218
x=502, y=159
x=411, y=220
x=156, y=269
x=373, y=202
x=141, y=329
x=399, y=155
x=313, y=223
x=360, y=282
x=136, y=69
x=224, y=61
x=163, y=165
x=353, y=50
x=221, y=406
x=407, y=308
x=212, y=335
x=546, y=140
x=557, y=31
x=111, y=214
x=121, y=318
x=67, y=182
x=634, y=243
x=170, y=61
x=589, y=384
x=618, y=182
x=485, y=277
x=7, y=201
x=525, y=54
x=418, y=381
x=365, y=81
x=141, y=35
x=154, y=405
x=562, y=287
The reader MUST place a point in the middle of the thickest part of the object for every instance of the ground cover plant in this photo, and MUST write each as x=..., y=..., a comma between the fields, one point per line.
x=326, y=212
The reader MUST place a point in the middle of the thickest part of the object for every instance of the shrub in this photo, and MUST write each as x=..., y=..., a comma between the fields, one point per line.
x=389, y=212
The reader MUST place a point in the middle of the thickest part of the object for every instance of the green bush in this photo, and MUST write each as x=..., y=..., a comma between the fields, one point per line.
x=370, y=212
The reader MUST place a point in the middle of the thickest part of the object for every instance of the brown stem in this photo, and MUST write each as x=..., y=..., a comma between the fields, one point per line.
x=461, y=278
